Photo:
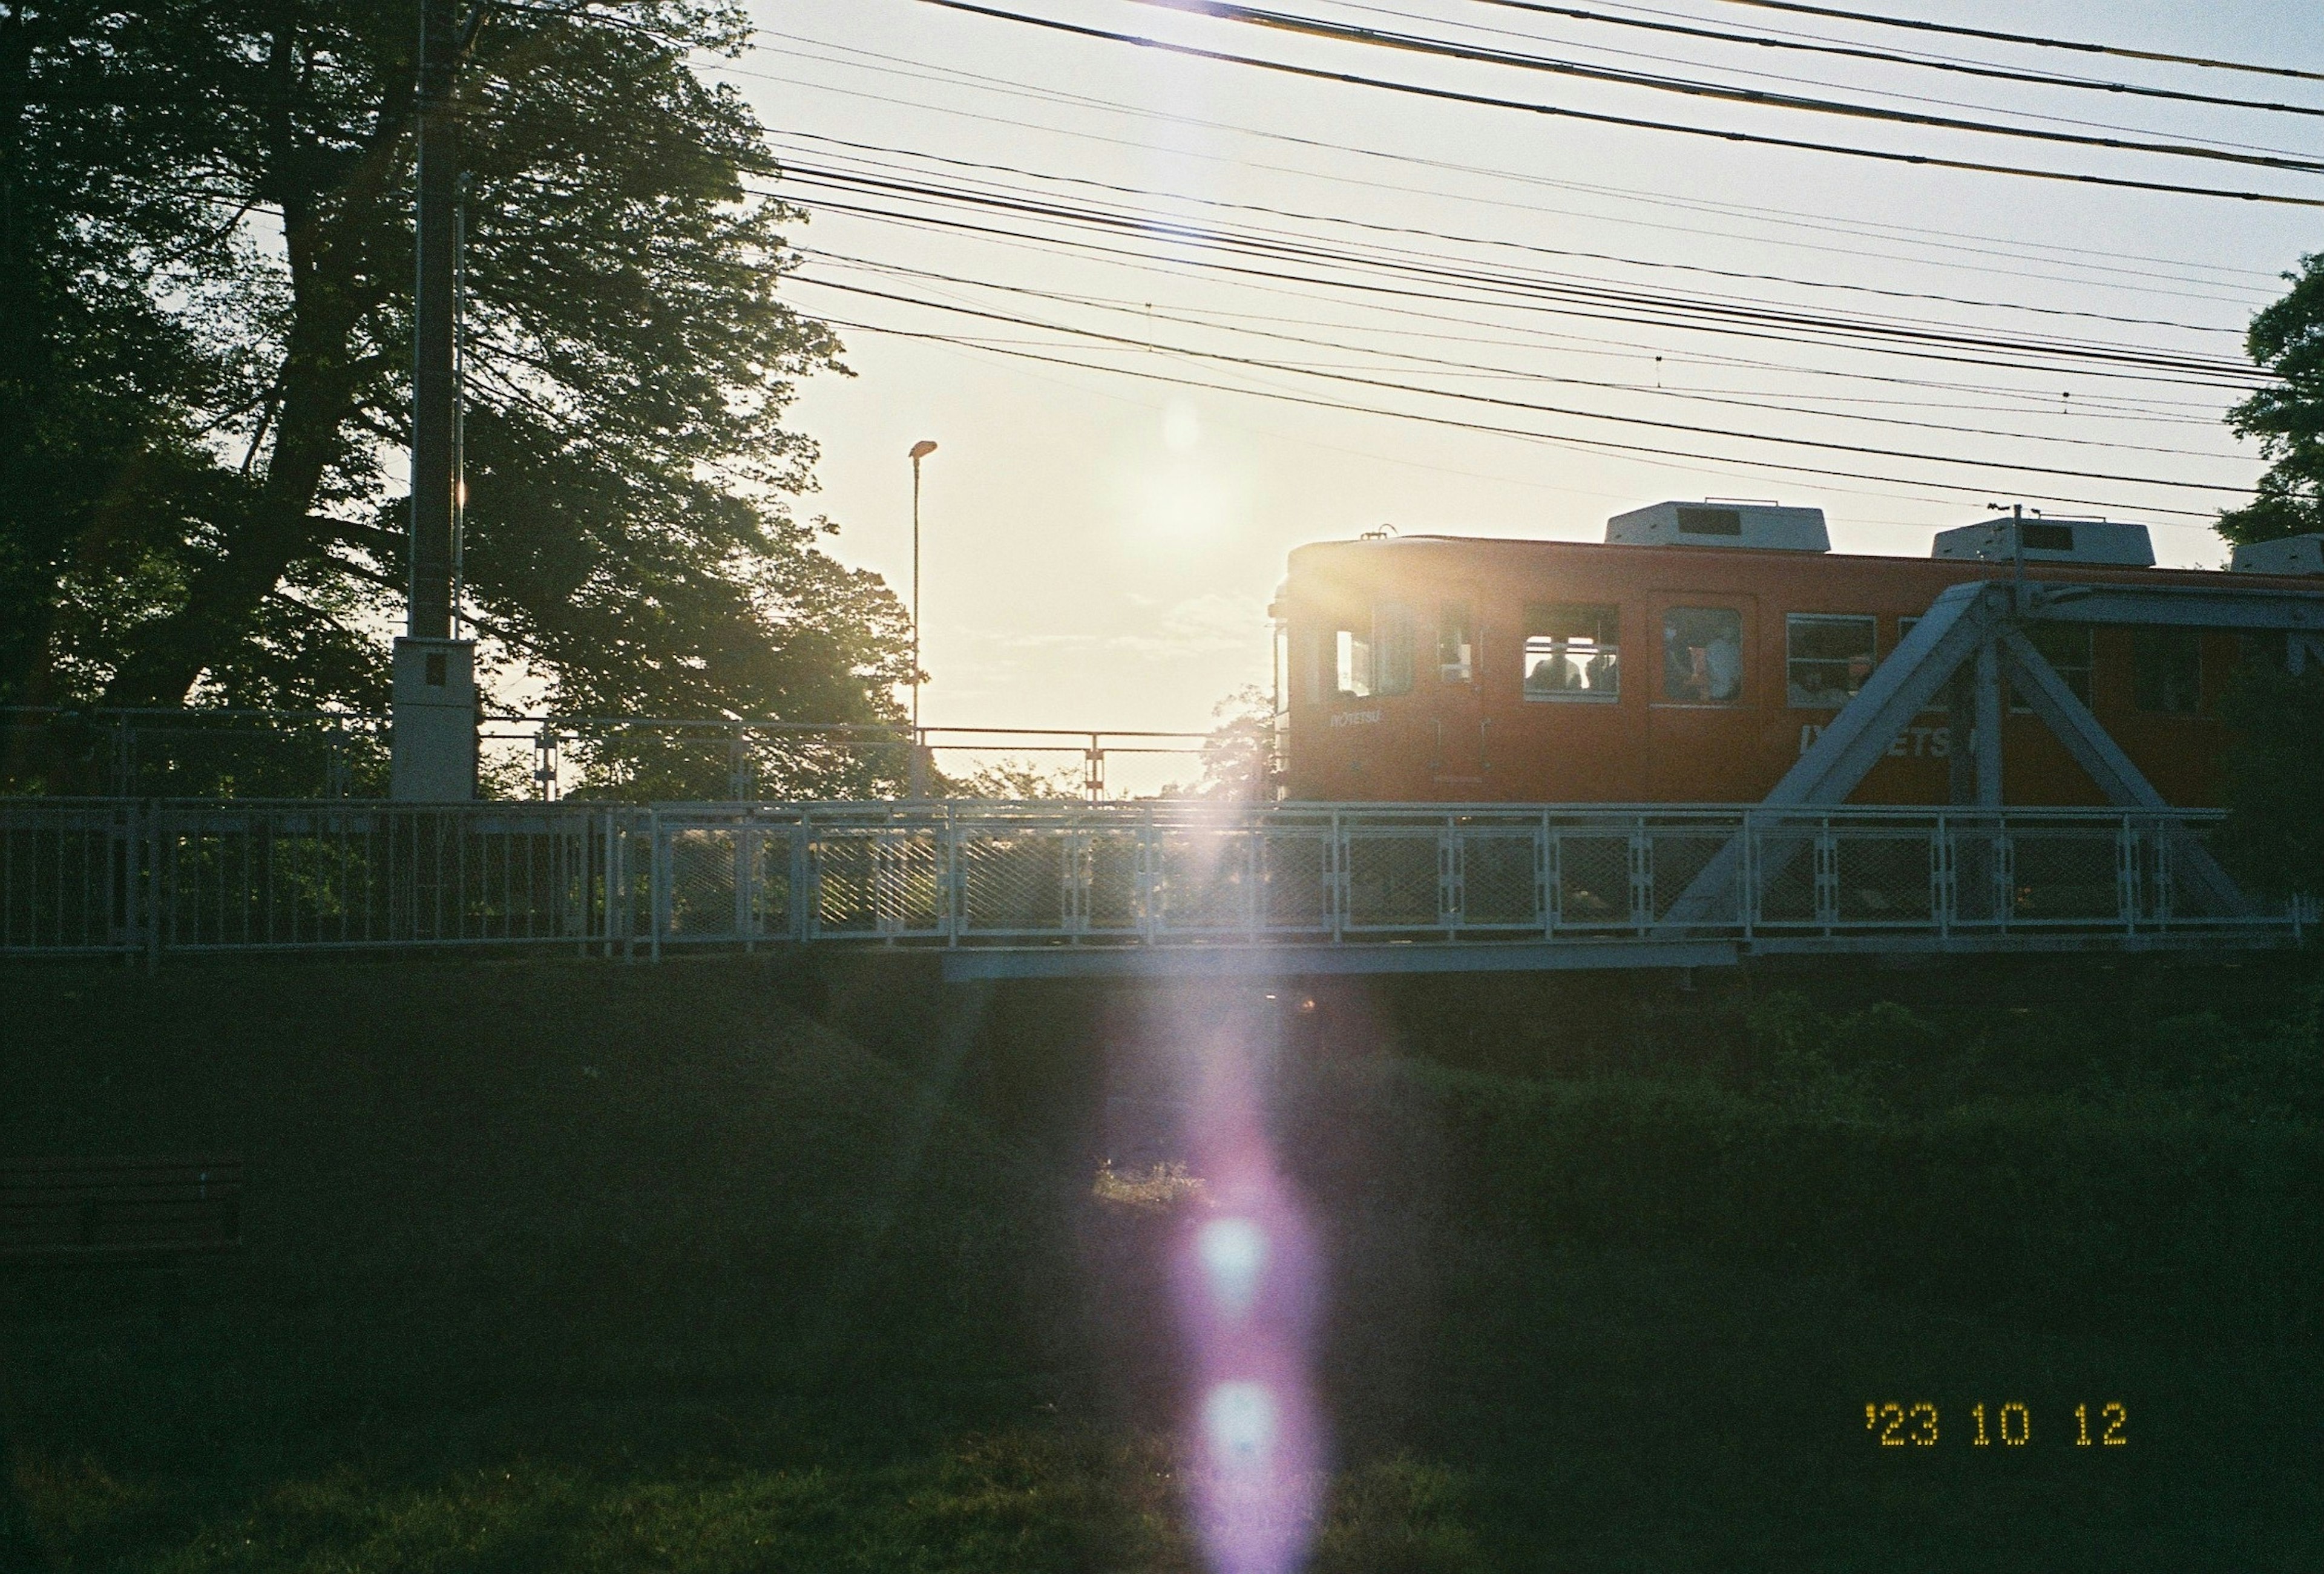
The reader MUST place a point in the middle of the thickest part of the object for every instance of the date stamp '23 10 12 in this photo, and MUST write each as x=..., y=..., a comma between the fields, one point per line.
x=2009, y=1425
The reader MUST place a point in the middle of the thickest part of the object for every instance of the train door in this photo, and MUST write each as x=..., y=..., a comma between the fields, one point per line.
x=1460, y=751
x=1703, y=720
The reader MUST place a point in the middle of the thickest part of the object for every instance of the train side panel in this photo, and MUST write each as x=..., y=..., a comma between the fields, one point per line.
x=1435, y=670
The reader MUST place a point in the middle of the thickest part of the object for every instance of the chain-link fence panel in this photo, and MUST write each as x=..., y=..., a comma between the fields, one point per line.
x=1681, y=853
x=879, y=882
x=1294, y=893
x=1018, y=883
x=705, y=886
x=2181, y=882
x=769, y=856
x=1593, y=880
x=1204, y=881
x=1393, y=878
x=1882, y=877
x=1117, y=881
x=1983, y=892
x=1500, y=885
x=2066, y=874
x=1783, y=876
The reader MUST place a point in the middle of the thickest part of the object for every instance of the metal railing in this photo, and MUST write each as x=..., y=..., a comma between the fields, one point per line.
x=270, y=754
x=156, y=877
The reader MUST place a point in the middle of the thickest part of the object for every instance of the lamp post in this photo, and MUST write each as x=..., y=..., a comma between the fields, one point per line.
x=920, y=450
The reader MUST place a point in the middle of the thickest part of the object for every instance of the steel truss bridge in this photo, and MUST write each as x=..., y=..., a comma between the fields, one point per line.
x=1057, y=889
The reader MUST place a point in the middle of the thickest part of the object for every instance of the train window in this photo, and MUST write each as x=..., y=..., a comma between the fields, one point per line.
x=1827, y=657
x=2067, y=648
x=1702, y=655
x=1392, y=642
x=1456, y=652
x=1351, y=665
x=2166, y=669
x=1573, y=652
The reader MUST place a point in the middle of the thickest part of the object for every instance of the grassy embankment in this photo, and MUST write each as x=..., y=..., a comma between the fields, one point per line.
x=576, y=1267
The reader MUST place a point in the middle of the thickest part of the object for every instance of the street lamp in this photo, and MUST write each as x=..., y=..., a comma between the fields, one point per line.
x=920, y=450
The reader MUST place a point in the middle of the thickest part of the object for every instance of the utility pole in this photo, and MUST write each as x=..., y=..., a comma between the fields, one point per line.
x=435, y=692
x=921, y=773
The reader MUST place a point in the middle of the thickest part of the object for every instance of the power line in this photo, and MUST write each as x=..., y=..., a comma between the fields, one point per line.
x=2016, y=247
x=2011, y=113
x=1860, y=52
x=1592, y=117
x=2117, y=51
x=1446, y=49
x=1661, y=453
x=1473, y=369
x=1565, y=342
x=1525, y=246
x=1406, y=292
x=1726, y=314
x=1224, y=358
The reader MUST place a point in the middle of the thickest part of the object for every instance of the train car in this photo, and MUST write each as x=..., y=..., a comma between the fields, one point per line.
x=1694, y=655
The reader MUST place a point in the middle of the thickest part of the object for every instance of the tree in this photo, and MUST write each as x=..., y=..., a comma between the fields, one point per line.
x=206, y=364
x=2288, y=418
x=1238, y=753
x=2272, y=839
x=1018, y=779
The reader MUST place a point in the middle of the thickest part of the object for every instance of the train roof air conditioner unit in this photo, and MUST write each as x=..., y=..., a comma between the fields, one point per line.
x=2288, y=554
x=2049, y=541
x=1765, y=525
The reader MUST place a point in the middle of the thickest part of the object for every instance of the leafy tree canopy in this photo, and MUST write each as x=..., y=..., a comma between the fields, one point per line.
x=2273, y=841
x=204, y=280
x=2288, y=418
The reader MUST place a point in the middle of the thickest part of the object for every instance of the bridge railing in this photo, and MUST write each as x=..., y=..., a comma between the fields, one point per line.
x=149, y=877
x=1165, y=873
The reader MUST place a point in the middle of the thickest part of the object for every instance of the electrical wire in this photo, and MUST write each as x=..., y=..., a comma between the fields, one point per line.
x=1224, y=358
x=1445, y=48
x=1626, y=350
x=1221, y=266
x=2009, y=112
x=1633, y=123
x=1662, y=454
x=1861, y=52
x=1585, y=298
x=1527, y=247
x=2032, y=40
x=1473, y=369
x=2018, y=248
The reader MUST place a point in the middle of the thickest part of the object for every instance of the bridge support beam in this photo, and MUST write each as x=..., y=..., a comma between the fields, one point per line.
x=1971, y=638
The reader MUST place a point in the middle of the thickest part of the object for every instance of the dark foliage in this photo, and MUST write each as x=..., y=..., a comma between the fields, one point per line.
x=203, y=349
x=2273, y=838
x=2288, y=420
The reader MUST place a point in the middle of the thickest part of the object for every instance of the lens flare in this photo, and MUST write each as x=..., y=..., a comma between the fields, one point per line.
x=1239, y=1423
x=1248, y=1289
x=1233, y=1252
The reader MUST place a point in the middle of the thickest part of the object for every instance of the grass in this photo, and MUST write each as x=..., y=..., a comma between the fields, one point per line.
x=705, y=1268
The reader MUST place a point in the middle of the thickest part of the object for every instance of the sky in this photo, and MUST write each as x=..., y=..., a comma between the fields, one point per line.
x=1104, y=520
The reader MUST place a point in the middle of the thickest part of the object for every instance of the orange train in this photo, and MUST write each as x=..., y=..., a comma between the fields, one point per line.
x=1694, y=655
